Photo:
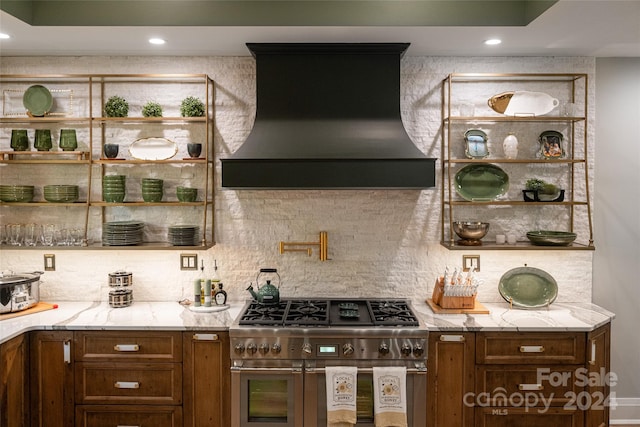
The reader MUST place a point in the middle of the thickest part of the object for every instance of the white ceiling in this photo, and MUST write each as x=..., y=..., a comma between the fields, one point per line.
x=599, y=28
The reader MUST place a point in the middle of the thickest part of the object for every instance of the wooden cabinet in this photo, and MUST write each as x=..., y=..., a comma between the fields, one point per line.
x=450, y=379
x=128, y=377
x=130, y=415
x=51, y=378
x=14, y=382
x=206, y=379
x=598, y=366
x=108, y=378
x=488, y=379
x=161, y=152
x=481, y=181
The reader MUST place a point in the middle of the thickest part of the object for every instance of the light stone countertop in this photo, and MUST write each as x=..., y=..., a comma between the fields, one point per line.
x=101, y=316
x=578, y=317
x=574, y=317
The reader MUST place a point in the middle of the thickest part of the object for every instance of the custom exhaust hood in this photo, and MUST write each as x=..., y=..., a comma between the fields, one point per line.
x=328, y=117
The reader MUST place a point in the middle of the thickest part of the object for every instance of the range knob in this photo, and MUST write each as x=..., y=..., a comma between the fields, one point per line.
x=263, y=349
x=347, y=349
x=306, y=348
x=239, y=348
x=276, y=348
x=418, y=350
x=383, y=349
x=405, y=349
x=251, y=348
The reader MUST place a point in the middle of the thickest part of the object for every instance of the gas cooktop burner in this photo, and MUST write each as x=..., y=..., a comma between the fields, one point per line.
x=321, y=312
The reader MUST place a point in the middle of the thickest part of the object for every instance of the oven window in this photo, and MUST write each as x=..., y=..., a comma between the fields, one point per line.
x=364, y=399
x=268, y=400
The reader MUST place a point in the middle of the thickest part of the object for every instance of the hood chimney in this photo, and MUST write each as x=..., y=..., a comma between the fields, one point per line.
x=328, y=117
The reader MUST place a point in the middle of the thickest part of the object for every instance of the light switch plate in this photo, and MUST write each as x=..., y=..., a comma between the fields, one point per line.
x=49, y=262
x=188, y=261
x=471, y=262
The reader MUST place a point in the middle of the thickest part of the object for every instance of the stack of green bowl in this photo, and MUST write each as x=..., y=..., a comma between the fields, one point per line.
x=152, y=190
x=187, y=194
x=113, y=188
x=16, y=193
x=61, y=193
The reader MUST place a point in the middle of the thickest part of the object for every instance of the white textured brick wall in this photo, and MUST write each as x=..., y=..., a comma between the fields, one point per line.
x=381, y=243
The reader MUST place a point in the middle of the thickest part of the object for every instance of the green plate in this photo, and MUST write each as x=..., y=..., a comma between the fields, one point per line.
x=37, y=100
x=481, y=182
x=528, y=287
x=551, y=238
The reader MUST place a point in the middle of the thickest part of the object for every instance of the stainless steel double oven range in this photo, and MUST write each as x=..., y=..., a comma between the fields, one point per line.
x=280, y=351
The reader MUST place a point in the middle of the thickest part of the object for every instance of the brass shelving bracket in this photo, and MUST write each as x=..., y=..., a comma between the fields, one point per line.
x=322, y=246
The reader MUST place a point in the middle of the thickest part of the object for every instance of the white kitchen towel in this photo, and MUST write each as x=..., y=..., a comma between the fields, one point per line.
x=390, y=396
x=342, y=382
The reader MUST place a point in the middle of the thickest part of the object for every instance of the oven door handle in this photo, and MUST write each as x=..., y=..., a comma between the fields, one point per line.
x=295, y=369
x=420, y=369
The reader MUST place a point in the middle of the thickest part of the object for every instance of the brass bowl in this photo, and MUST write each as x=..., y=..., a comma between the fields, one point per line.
x=470, y=232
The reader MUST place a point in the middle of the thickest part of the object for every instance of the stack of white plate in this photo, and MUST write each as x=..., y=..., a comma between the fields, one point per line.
x=184, y=235
x=61, y=193
x=16, y=193
x=122, y=233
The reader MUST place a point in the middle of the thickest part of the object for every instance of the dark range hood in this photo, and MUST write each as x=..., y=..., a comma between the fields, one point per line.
x=328, y=117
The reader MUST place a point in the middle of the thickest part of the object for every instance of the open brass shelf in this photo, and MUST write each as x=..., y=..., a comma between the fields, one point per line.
x=94, y=90
x=574, y=165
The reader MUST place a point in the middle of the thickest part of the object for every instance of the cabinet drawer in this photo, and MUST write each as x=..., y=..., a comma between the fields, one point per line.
x=530, y=347
x=128, y=415
x=554, y=385
x=142, y=383
x=139, y=346
x=521, y=417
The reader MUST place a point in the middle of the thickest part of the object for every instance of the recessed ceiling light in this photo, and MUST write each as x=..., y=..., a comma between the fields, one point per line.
x=156, y=40
x=4, y=36
x=492, y=42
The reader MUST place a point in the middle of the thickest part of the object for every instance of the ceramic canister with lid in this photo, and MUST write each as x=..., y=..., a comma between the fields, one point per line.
x=120, y=294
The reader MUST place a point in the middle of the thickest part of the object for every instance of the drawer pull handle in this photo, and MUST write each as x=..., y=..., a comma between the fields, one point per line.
x=592, y=360
x=530, y=387
x=205, y=337
x=122, y=425
x=452, y=338
x=66, y=352
x=127, y=384
x=126, y=347
x=531, y=349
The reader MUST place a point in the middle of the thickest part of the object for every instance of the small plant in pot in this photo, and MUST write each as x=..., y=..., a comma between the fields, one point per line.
x=116, y=106
x=152, y=109
x=191, y=107
x=538, y=190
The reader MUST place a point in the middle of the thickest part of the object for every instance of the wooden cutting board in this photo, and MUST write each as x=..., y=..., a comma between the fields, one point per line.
x=477, y=309
x=41, y=306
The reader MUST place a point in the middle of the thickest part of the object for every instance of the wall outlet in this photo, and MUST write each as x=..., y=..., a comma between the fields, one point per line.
x=471, y=262
x=188, y=261
x=49, y=262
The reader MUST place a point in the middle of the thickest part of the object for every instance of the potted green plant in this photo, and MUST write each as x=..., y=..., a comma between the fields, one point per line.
x=152, y=109
x=116, y=106
x=538, y=190
x=191, y=107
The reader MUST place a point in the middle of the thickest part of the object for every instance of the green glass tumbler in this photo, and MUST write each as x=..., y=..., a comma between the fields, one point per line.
x=42, y=141
x=19, y=140
x=68, y=140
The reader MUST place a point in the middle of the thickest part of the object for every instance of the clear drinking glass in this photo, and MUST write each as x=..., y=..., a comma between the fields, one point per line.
x=15, y=234
x=4, y=238
x=48, y=234
x=31, y=234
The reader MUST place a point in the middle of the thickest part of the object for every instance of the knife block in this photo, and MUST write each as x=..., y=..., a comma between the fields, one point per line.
x=445, y=301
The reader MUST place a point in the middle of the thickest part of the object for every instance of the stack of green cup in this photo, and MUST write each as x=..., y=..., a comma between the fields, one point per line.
x=113, y=188
x=152, y=190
